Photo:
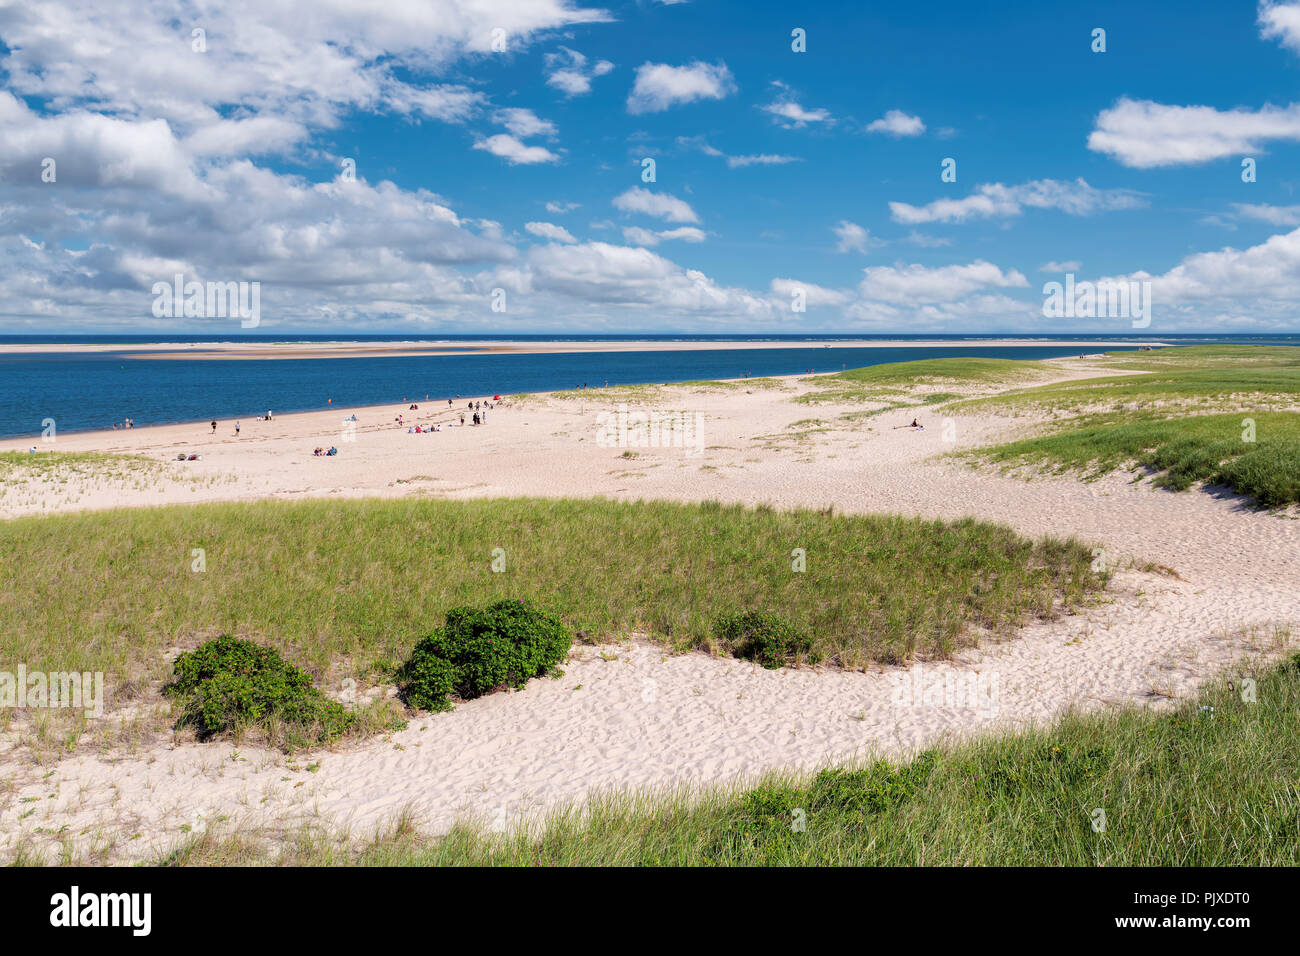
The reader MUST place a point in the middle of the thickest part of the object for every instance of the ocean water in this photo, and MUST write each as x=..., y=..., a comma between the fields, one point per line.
x=89, y=391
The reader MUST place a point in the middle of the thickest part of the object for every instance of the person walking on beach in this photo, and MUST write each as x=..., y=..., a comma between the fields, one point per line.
x=214, y=427
x=236, y=429
x=462, y=419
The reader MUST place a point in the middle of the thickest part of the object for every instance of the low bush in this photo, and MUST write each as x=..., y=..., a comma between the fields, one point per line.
x=481, y=649
x=227, y=685
x=764, y=638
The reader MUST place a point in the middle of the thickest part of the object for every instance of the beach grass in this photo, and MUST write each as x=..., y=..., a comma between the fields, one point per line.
x=1206, y=356
x=734, y=384
x=49, y=480
x=895, y=381
x=650, y=393
x=1221, y=415
x=1257, y=456
x=613, y=395
x=346, y=588
x=1203, y=380
x=1204, y=784
x=63, y=465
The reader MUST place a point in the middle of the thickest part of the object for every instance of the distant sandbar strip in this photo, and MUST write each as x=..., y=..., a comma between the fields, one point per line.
x=307, y=350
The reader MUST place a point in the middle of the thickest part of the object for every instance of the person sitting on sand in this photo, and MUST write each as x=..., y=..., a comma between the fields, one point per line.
x=915, y=424
x=332, y=451
x=318, y=451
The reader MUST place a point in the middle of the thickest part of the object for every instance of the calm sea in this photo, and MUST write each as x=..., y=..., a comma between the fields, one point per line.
x=88, y=391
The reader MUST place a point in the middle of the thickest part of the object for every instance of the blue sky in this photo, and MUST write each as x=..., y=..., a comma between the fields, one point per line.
x=514, y=177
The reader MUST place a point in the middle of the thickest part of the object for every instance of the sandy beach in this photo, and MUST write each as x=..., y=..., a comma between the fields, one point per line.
x=1204, y=579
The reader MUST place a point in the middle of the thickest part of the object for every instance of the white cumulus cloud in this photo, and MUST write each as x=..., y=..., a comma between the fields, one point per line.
x=659, y=86
x=994, y=200
x=1281, y=22
x=851, y=236
x=515, y=152
x=570, y=74
x=915, y=283
x=897, y=123
x=659, y=205
x=1144, y=135
x=787, y=111
x=547, y=230
x=648, y=237
x=1273, y=215
x=524, y=123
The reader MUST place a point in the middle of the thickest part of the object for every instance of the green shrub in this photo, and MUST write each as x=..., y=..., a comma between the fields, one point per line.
x=769, y=806
x=764, y=638
x=228, y=684
x=426, y=679
x=478, y=650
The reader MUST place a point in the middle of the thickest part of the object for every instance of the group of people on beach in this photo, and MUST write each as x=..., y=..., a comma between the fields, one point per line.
x=126, y=423
x=478, y=415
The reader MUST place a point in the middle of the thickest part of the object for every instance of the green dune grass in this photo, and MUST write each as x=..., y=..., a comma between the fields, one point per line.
x=1206, y=356
x=1180, y=452
x=1190, y=390
x=1223, y=415
x=348, y=588
x=890, y=382
x=60, y=466
x=650, y=393
x=1190, y=379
